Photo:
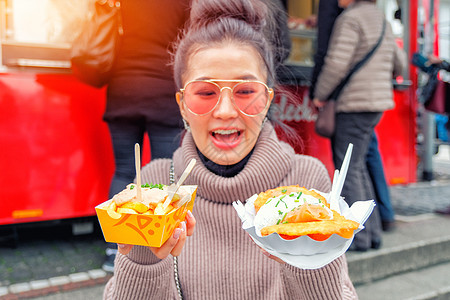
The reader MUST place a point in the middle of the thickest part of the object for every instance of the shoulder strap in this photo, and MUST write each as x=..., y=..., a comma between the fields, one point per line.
x=335, y=94
x=175, y=259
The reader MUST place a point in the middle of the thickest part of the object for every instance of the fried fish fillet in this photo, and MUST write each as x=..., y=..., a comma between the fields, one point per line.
x=264, y=196
x=318, y=230
x=316, y=221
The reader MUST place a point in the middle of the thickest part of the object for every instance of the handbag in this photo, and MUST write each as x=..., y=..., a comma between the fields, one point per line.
x=428, y=90
x=325, y=122
x=93, y=51
x=440, y=100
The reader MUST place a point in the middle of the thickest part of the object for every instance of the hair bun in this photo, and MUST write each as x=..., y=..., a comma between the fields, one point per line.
x=205, y=12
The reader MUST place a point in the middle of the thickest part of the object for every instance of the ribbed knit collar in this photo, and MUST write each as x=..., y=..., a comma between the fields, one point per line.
x=267, y=166
x=224, y=170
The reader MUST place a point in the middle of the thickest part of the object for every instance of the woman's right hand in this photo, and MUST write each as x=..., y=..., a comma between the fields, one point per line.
x=318, y=104
x=174, y=245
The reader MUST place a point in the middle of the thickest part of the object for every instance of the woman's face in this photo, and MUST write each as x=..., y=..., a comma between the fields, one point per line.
x=225, y=135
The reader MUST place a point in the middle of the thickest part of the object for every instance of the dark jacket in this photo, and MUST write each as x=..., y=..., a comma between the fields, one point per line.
x=329, y=10
x=142, y=83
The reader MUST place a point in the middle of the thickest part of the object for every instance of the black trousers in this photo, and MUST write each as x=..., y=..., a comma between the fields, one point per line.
x=357, y=128
x=125, y=133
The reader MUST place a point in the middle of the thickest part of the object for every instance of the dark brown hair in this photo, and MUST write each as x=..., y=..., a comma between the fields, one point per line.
x=243, y=22
x=216, y=22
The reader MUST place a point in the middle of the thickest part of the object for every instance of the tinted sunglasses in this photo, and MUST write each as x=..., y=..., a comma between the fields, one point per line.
x=250, y=97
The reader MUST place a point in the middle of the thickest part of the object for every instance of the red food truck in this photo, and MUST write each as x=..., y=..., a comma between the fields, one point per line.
x=56, y=159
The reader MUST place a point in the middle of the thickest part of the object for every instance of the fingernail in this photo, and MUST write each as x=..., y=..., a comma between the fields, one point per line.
x=121, y=245
x=183, y=226
x=177, y=233
x=190, y=214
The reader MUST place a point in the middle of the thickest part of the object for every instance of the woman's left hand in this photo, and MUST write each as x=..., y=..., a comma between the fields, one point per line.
x=277, y=259
x=268, y=254
x=174, y=245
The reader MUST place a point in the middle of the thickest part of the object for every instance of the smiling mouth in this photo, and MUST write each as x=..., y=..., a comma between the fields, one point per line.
x=226, y=136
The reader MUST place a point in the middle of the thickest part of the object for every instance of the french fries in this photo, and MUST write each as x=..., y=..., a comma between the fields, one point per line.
x=136, y=206
x=159, y=210
x=128, y=204
x=111, y=210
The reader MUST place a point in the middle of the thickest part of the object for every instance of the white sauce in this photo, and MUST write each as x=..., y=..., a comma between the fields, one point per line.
x=275, y=208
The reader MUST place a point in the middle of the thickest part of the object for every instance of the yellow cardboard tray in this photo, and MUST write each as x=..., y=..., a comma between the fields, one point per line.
x=144, y=230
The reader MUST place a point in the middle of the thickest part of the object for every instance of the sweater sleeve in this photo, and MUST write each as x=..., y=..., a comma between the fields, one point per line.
x=135, y=279
x=329, y=282
x=400, y=60
x=341, y=49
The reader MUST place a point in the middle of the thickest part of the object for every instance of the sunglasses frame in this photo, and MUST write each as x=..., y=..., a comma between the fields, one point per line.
x=214, y=82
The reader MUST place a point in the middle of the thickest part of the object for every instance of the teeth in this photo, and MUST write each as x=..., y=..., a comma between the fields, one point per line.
x=231, y=131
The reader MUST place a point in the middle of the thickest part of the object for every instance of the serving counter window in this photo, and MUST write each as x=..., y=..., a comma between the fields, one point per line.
x=39, y=33
x=302, y=24
x=58, y=145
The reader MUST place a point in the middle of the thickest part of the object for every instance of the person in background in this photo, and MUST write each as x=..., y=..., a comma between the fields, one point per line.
x=380, y=187
x=362, y=101
x=328, y=11
x=222, y=63
x=443, y=65
x=438, y=62
x=141, y=89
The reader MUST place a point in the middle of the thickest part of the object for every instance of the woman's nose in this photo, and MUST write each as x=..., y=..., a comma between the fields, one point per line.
x=225, y=108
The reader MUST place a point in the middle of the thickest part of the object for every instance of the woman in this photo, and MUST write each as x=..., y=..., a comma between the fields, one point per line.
x=224, y=68
x=363, y=100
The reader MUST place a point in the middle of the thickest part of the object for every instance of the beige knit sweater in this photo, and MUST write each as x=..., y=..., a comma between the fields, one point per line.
x=220, y=261
x=355, y=33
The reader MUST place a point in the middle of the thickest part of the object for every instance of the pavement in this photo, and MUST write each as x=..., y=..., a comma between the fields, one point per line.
x=52, y=263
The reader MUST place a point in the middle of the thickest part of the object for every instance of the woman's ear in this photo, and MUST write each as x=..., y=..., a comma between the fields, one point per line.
x=180, y=104
x=178, y=97
x=271, y=95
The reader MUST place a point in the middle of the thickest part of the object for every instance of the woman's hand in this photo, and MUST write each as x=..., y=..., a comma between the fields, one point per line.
x=174, y=245
x=268, y=254
x=277, y=259
x=319, y=104
x=434, y=59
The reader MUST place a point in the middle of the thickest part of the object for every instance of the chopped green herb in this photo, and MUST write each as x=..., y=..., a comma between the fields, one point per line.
x=153, y=186
x=277, y=203
x=131, y=187
x=280, y=212
x=269, y=200
x=278, y=222
x=291, y=195
x=281, y=199
x=284, y=216
x=299, y=195
x=296, y=200
x=284, y=191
